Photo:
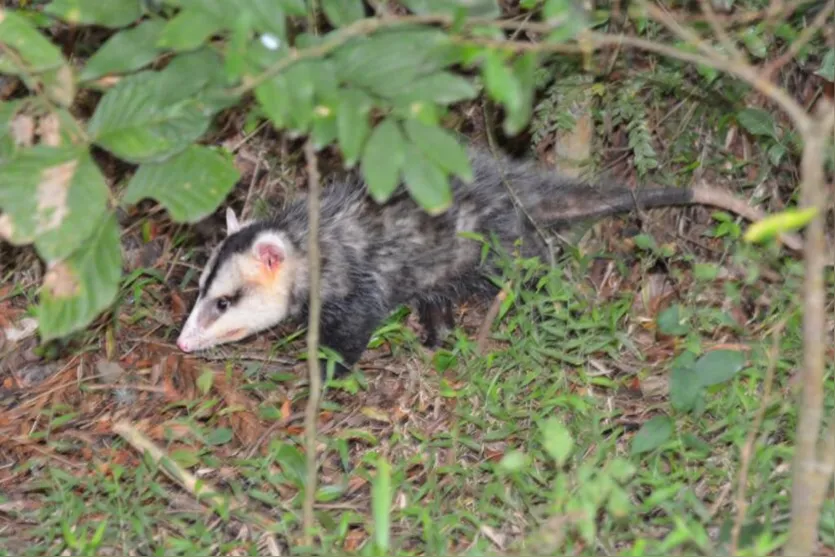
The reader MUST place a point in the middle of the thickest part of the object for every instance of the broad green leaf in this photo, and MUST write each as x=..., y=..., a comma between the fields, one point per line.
x=139, y=121
x=672, y=322
x=77, y=289
x=268, y=17
x=388, y=63
x=294, y=7
x=219, y=436
x=441, y=87
x=192, y=76
x=785, y=221
x=776, y=153
x=36, y=51
x=513, y=461
x=8, y=145
x=524, y=69
x=125, y=51
x=381, y=499
x=53, y=196
x=652, y=435
x=426, y=182
x=827, y=69
x=324, y=126
x=684, y=388
x=187, y=30
x=718, y=366
x=754, y=42
x=568, y=18
x=273, y=95
x=470, y=8
x=110, y=13
x=440, y=146
x=343, y=12
x=185, y=457
x=757, y=122
x=35, y=59
x=190, y=185
x=352, y=125
x=383, y=157
x=291, y=461
x=501, y=83
x=557, y=440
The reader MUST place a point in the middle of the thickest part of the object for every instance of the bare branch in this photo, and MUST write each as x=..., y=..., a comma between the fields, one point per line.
x=805, y=36
x=313, y=366
x=748, y=448
x=807, y=488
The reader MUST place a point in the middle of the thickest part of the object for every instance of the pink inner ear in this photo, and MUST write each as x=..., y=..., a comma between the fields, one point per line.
x=270, y=255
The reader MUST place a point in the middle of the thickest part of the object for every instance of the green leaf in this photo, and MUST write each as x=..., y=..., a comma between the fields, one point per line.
x=757, y=122
x=388, y=63
x=685, y=387
x=324, y=126
x=652, y=435
x=381, y=499
x=440, y=146
x=291, y=460
x=469, y=8
x=294, y=7
x=36, y=51
x=779, y=223
x=524, y=69
x=112, y=13
x=142, y=120
x=753, y=39
x=80, y=287
x=501, y=84
x=557, y=440
x=273, y=95
x=513, y=461
x=185, y=458
x=343, y=12
x=187, y=30
x=205, y=381
x=219, y=436
x=190, y=184
x=566, y=16
x=426, y=182
x=352, y=125
x=717, y=366
x=827, y=69
x=35, y=59
x=382, y=160
x=441, y=87
x=125, y=51
x=672, y=322
x=53, y=196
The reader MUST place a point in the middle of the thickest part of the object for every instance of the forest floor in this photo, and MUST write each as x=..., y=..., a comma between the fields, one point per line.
x=585, y=425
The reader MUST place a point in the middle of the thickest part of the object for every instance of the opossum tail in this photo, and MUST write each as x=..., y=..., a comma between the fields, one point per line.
x=580, y=202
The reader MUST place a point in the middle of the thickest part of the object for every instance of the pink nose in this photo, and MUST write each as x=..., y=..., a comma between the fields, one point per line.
x=182, y=345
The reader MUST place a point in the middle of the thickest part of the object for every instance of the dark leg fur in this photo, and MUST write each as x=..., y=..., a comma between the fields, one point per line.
x=435, y=315
x=347, y=326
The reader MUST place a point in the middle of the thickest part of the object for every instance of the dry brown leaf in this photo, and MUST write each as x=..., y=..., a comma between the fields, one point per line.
x=53, y=190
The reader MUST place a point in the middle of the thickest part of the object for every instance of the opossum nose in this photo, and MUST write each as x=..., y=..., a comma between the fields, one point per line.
x=183, y=345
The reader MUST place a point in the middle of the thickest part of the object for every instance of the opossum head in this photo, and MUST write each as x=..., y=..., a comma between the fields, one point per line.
x=244, y=288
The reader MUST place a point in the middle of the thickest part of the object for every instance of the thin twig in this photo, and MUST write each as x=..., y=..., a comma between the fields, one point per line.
x=721, y=33
x=808, y=487
x=313, y=364
x=805, y=36
x=748, y=447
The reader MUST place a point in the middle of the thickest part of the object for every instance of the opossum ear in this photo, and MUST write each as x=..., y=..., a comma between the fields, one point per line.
x=270, y=252
x=232, y=224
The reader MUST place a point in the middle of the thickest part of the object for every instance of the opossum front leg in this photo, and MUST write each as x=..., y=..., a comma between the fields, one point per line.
x=347, y=329
x=437, y=320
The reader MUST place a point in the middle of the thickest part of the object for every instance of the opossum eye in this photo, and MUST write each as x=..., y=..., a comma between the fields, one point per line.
x=223, y=304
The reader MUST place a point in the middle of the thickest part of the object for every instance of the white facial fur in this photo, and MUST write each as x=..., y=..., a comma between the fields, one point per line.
x=256, y=282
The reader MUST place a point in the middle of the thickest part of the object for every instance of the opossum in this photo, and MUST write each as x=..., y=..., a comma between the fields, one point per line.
x=376, y=257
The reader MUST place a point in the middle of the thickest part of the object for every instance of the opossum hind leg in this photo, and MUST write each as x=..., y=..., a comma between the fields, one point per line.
x=437, y=319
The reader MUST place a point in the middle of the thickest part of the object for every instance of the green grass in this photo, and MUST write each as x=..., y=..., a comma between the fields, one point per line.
x=530, y=449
